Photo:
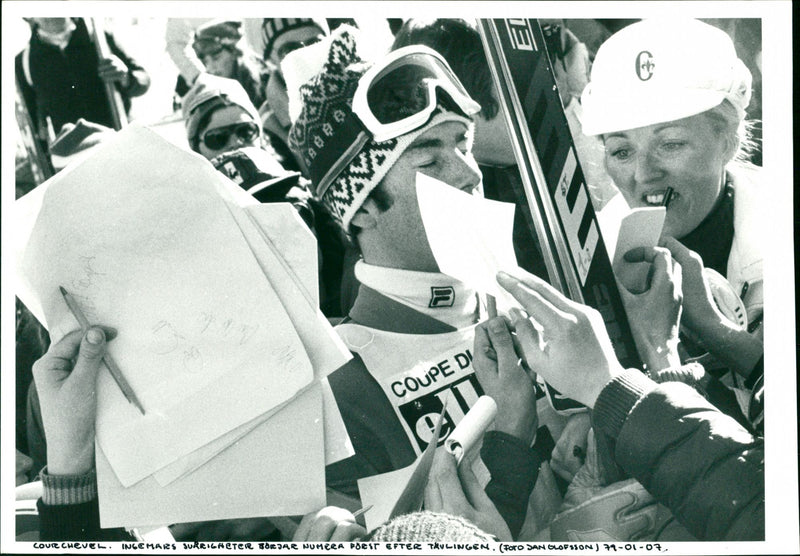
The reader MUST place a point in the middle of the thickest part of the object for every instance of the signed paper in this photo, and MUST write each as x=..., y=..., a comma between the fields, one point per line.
x=202, y=333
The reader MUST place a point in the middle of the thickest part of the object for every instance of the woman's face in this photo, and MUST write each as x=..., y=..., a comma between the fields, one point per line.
x=221, y=63
x=227, y=130
x=687, y=155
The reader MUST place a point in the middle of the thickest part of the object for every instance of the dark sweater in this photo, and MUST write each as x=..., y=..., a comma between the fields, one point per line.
x=65, y=85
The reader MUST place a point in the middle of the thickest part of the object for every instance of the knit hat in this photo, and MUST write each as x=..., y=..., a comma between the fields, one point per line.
x=215, y=35
x=272, y=28
x=429, y=527
x=341, y=179
x=660, y=70
x=209, y=93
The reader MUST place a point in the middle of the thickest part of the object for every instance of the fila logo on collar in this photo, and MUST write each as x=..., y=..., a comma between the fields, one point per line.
x=442, y=296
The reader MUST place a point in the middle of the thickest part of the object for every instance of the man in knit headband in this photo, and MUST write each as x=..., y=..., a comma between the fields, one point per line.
x=411, y=328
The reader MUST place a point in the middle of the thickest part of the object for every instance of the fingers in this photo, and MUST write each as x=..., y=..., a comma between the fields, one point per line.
x=346, y=531
x=303, y=529
x=322, y=528
x=528, y=337
x=485, y=356
x=444, y=476
x=688, y=259
x=663, y=272
x=328, y=524
x=502, y=342
x=472, y=488
x=636, y=255
x=547, y=292
x=537, y=298
x=93, y=347
x=66, y=348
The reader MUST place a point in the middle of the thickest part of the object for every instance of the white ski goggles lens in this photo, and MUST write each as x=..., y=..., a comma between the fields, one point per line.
x=400, y=95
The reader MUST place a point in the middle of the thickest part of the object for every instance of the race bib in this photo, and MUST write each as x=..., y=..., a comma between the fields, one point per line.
x=417, y=373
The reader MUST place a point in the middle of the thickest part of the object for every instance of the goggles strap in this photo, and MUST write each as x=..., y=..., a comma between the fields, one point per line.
x=337, y=153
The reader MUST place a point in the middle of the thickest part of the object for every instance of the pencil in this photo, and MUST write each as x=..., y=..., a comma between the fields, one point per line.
x=667, y=198
x=362, y=511
x=491, y=306
x=113, y=368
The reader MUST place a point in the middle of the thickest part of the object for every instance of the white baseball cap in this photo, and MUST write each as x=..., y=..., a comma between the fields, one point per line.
x=659, y=70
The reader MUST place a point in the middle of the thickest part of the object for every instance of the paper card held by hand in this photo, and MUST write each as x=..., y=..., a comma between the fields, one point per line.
x=641, y=227
x=471, y=237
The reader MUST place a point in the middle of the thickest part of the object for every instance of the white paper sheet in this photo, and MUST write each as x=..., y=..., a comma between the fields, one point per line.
x=381, y=492
x=152, y=251
x=471, y=237
x=287, y=252
x=623, y=229
x=277, y=469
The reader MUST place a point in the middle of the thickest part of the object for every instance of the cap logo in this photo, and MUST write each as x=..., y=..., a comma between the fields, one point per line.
x=644, y=65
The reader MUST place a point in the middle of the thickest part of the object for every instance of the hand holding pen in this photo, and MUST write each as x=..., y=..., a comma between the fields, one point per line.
x=112, y=366
x=66, y=378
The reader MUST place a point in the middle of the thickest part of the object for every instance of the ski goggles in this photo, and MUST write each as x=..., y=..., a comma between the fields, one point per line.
x=218, y=138
x=393, y=98
x=400, y=94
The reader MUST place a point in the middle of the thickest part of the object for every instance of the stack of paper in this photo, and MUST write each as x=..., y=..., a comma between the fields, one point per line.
x=214, y=297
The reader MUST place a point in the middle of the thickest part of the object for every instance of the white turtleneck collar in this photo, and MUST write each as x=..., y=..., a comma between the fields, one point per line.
x=432, y=293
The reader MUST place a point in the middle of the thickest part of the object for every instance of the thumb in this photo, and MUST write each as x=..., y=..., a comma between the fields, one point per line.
x=501, y=340
x=472, y=488
x=90, y=354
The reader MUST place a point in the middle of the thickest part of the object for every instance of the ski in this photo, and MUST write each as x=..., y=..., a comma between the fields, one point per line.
x=574, y=252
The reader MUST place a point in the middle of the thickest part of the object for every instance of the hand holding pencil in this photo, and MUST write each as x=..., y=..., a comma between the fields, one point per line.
x=113, y=368
x=66, y=378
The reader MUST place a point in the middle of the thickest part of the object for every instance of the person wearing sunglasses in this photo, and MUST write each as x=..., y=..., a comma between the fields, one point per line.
x=219, y=117
x=364, y=132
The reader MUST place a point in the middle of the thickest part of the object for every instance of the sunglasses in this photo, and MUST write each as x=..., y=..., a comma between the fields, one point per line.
x=217, y=138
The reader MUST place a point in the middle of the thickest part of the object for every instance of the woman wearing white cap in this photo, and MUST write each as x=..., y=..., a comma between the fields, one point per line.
x=670, y=109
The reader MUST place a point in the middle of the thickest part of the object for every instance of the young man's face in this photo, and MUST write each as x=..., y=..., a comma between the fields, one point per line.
x=221, y=62
x=52, y=24
x=442, y=153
